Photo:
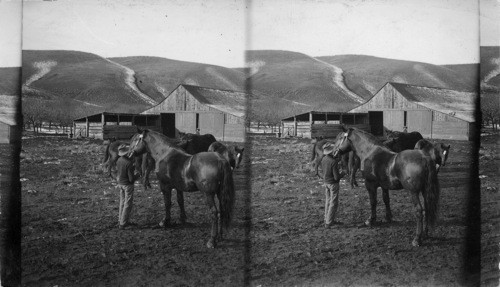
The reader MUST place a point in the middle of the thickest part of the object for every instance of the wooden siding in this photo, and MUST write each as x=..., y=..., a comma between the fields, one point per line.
x=212, y=123
x=185, y=122
x=450, y=130
x=421, y=121
x=123, y=132
x=9, y=134
x=394, y=120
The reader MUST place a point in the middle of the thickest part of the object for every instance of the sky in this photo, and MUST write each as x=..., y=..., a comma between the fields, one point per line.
x=218, y=31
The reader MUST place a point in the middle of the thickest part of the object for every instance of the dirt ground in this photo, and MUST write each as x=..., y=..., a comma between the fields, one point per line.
x=70, y=235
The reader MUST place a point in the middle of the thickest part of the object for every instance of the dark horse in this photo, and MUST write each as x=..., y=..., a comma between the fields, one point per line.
x=410, y=169
x=400, y=141
x=438, y=152
x=349, y=160
x=111, y=155
x=196, y=143
x=207, y=172
x=231, y=153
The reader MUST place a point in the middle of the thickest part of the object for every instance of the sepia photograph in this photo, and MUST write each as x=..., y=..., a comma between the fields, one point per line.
x=249, y=143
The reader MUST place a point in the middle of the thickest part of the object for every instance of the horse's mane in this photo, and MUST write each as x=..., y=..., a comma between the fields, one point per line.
x=373, y=140
x=171, y=142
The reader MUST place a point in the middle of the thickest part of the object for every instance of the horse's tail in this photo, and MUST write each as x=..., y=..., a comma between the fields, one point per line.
x=431, y=195
x=226, y=194
x=313, y=153
x=106, y=153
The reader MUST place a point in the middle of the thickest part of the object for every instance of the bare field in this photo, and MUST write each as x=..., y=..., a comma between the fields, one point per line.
x=70, y=237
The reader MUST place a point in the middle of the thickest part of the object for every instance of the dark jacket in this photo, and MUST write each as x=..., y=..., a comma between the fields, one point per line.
x=125, y=171
x=330, y=168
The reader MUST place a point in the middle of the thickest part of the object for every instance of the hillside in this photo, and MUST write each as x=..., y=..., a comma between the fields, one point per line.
x=81, y=79
x=157, y=77
x=490, y=68
x=367, y=74
x=300, y=79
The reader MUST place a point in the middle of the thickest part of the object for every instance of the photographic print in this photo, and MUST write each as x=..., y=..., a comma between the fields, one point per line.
x=250, y=143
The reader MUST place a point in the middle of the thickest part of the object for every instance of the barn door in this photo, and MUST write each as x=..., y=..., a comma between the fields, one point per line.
x=420, y=121
x=394, y=120
x=212, y=123
x=185, y=122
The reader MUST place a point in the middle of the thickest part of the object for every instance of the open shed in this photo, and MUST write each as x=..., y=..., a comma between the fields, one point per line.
x=316, y=124
x=115, y=125
x=205, y=110
x=434, y=112
x=10, y=130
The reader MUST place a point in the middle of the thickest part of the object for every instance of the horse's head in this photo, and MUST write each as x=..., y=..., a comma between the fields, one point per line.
x=445, y=151
x=342, y=142
x=137, y=144
x=239, y=155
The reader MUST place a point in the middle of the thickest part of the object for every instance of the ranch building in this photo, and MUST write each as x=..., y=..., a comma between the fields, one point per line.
x=195, y=109
x=316, y=124
x=115, y=125
x=434, y=112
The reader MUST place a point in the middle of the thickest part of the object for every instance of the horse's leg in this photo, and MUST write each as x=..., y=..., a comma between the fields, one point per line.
x=167, y=198
x=387, y=202
x=212, y=242
x=419, y=217
x=372, y=192
x=180, y=201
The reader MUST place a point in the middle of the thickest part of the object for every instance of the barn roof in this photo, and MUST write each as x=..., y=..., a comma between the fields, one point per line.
x=458, y=104
x=8, y=105
x=230, y=102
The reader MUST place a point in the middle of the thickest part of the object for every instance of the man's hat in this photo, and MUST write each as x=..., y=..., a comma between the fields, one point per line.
x=327, y=148
x=122, y=149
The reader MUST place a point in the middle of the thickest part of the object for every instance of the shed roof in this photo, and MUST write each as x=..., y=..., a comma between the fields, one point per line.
x=97, y=117
x=8, y=109
x=318, y=115
x=230, y=102
x=458, y=104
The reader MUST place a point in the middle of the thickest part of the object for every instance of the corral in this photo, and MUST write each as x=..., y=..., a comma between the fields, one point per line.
x=434, y=112
x=194, y=109
x=116, y=125
x=322, y=124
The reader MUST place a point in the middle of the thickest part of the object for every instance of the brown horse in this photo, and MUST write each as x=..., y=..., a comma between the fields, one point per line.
x=349, y=160
x=111, y=156
x=410, y=169
x=196, y=143
x=231, y=153
x=438, y=151
x=207, y=172
x=400, y=141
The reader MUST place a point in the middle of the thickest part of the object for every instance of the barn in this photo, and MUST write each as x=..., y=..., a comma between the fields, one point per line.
x=115, y=125
x=434, y=112
x=315, y=124
x=10, y=131
x=205, y=110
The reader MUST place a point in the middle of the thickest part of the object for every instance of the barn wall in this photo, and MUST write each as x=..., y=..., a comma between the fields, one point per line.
x=450, y=130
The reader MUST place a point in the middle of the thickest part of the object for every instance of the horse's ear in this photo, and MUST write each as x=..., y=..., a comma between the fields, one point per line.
x=445, y=147
x=344, y=128
x=139, y=131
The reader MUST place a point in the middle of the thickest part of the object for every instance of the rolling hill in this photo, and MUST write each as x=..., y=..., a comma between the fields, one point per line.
x=83, y=78
x=157, y=77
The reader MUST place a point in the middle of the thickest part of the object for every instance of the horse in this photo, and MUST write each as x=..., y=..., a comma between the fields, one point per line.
x=111, y=155
x=231, y=153
x=207, y=172
x=349, y=160
x=438, y=151
x=399, y=141
x=412, y=170
x=196, y=143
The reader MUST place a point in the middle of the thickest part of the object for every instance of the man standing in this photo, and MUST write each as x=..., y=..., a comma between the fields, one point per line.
x=331, y=178
x=125, y=178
